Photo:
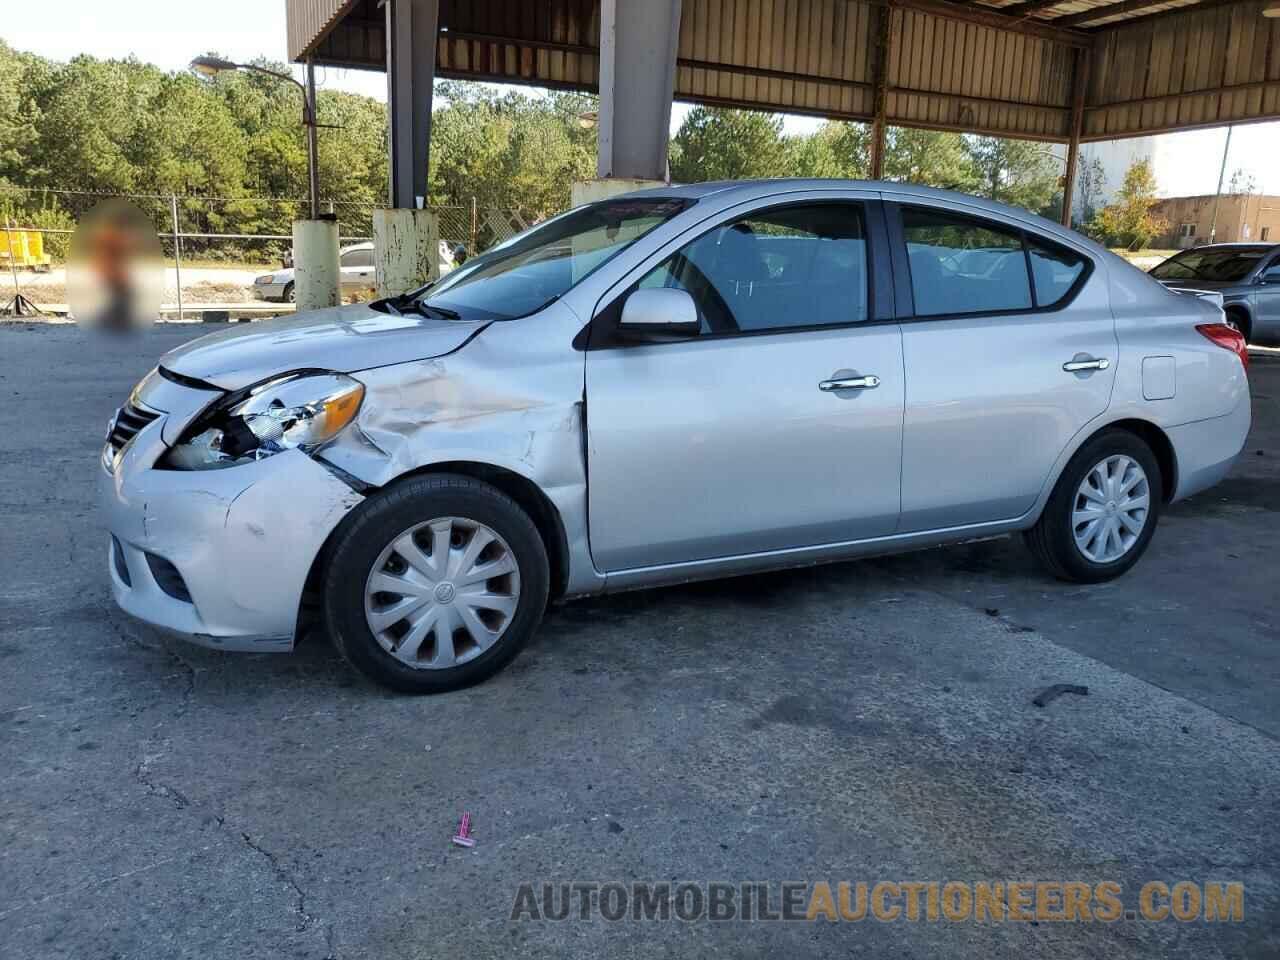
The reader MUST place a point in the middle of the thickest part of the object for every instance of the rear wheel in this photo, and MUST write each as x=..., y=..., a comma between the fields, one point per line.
x=435, y=584
x=289, y=296
x=1103, y=512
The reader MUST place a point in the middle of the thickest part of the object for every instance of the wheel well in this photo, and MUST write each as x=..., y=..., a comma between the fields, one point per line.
x=1158, y=441
x=523, y=491
x=1240, y=313
x=530, y=498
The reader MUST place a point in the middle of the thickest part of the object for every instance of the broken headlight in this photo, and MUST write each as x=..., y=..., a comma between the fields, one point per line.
x=294, y=412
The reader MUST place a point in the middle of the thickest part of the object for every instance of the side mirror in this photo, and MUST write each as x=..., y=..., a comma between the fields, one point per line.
x=658, y=313
x=1269, y=276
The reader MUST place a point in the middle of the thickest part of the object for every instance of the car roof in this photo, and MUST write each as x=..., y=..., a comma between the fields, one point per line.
x=1237, y=245
x=725, y=190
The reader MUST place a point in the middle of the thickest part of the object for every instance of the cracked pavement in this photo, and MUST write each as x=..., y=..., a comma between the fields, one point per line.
x=863, y=721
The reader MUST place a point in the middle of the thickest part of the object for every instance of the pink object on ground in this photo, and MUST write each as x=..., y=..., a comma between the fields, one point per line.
x=463, y=837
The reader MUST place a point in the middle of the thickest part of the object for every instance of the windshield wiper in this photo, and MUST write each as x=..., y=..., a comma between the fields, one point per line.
x=398, y=303
x=429, y=310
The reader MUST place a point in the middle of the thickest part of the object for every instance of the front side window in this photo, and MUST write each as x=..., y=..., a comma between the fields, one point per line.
x=960, y=265
x=542, y=264
x=794, y=266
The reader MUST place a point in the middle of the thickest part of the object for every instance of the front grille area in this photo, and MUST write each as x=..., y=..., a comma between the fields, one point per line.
x=168, y=578
x=128, y=420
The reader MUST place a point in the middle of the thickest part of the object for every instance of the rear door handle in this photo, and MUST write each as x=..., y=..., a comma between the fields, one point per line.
x=850, y=383
x=1075, y=366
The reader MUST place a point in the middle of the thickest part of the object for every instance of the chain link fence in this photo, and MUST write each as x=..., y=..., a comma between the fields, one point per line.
x=214, y=247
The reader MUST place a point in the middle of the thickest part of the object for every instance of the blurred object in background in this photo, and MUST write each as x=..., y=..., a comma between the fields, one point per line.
x=115, y=273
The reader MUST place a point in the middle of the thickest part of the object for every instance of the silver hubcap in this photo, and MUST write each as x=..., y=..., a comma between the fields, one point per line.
x=1111, y=508
x=442, y=593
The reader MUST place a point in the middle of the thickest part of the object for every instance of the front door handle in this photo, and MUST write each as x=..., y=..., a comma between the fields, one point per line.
x=850, y=383
x=1075, y=366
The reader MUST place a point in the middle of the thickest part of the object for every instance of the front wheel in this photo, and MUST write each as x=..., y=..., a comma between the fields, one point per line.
x=1103, y=511
x=435, y=584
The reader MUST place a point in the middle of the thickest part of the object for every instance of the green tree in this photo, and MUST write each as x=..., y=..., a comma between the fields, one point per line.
x=509, y=149
x=188, y=143
x=835, y=149
x=89, y=124
x=929, y=157
x=1091, y=182
x=1017, y=172
x=718, y=144
x=22, y=78
x=852, y=144
x=1129, y=222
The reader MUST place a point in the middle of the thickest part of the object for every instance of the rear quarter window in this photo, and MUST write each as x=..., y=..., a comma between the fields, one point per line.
x=1054, y=271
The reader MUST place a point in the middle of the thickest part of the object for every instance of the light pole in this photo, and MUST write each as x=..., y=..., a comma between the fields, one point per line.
x=212, y=66
x=1222, y=172
x=316, y=273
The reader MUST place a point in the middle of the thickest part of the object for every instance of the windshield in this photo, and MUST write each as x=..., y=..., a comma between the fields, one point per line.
x=1221, y=264
x=542, y=264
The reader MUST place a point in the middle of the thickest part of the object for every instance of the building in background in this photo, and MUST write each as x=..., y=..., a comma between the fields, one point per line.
x=1116, y=157
x=1241, y=217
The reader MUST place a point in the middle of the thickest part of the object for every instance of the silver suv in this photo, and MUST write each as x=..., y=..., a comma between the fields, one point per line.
x=675, y=384
x=1245, y=275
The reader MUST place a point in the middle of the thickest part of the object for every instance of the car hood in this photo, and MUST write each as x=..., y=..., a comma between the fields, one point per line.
x=342, y=339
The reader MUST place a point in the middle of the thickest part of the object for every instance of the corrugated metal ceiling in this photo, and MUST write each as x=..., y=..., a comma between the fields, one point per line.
x=1005, y=67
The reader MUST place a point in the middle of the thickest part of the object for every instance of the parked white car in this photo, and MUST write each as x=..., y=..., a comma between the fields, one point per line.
x=356, y=264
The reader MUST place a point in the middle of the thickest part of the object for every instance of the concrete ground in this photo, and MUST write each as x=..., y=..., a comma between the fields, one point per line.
x=861, y=722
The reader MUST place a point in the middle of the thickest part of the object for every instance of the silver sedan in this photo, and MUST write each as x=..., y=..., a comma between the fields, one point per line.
x=674, y=384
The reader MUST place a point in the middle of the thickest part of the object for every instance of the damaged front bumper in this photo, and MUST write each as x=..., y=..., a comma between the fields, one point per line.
x=219, y=557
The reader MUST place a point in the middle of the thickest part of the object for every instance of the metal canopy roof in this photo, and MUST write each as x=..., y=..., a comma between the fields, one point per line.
x=1037, y=69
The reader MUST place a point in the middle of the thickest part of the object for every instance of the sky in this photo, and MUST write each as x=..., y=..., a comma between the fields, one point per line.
x=169, y=33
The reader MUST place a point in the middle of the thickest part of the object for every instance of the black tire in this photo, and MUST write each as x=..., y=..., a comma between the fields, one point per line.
x=366, y=531
x=288, y=296
x=1052, y=539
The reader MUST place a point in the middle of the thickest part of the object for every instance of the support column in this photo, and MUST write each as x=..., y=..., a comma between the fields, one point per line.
x=884, y=39
x=1080, y=85
x=315, y=264
x=316, y=275
x=406, y=237
x=637, y=80
x=411, y=65
x=406, y=247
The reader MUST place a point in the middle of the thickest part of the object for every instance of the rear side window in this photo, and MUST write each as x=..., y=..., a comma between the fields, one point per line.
x=1054, y=271
x=357, y=258
x=960, y=265
x=794, y=266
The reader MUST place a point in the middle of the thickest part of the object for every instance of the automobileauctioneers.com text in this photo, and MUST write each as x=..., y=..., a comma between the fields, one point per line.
x=887, y=901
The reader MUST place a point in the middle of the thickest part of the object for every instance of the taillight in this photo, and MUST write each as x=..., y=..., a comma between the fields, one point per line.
x=1228, y=338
